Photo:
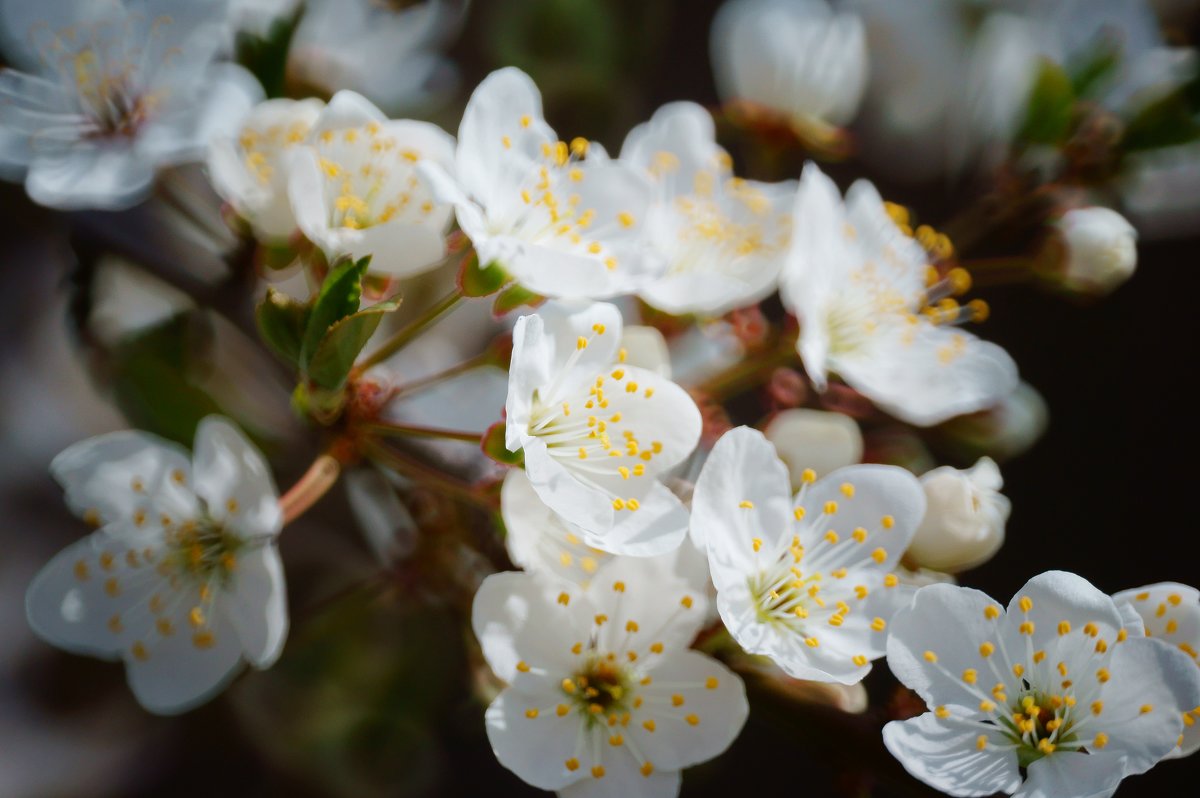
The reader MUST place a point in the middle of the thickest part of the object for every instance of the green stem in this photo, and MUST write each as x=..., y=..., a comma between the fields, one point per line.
x=408, y=430
x=414, y=328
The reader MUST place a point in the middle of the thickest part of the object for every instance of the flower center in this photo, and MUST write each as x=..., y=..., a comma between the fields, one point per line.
x=600, y=688
x=203, y=550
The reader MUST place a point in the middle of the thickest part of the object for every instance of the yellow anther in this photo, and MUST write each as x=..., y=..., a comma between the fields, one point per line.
x=1045, y=746
x=887, y=522
x=859, y=534
x=798, y=513
x=930, y=656
x=1038, y=656
x=878, y=624
x=692, y=719
x=986, y=650
x=1102, y=675
x=203, y=640
x=616, y=739
x=941, y=712
x=656, y=648
x=568, y=686
x=830, y=508
x=879, y=555
x=600, y=619
x=970, y=675
x=1018, y=670
x=112, y=587
x=1122, y=635
x=647, y=769
x=618, y=504
x=531, y=713
x=633, y=504
x=686, y=601
x=808, y=476
x=649, y=725
x=523, y=666
x=1146, y=709
x=859, y=660
x=991, y=612
x=1026, y=604
x=756, y=543
x=1101, y=646
x=1064, y=627
x=572, y=764
x=676, y=700
x=891, y=580
x=626, y=219
x=1100, y=740
x=831, y=537
x=1026, y=628
x=986, y=706
x=746, y=504
x=812, y=642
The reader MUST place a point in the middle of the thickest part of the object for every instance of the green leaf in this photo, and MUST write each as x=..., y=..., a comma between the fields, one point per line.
x=338, y=298
x=1165, y=122
x=474, y=280
x=1051, y=103
x=282, y=322
x=1095, y=68
x=335, y=354
x=493, y=446
x=514, y=297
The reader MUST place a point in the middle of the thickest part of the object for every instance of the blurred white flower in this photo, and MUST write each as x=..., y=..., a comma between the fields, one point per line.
x=394, y=57
x=562, y=222
x=354, y=189
x=1004, y=431
x=257, y=16
x=859, y=287
x=538, y=540
x=182, y=579
x=387, y=525
x=805, y=581
x=1157, y=190
x=597, y=433
x=965, y=514
x=796, y=57
x=814, y=439
x=1101, y=249
x=1170, y=613
x=646, y=348
x=723, y=238
x=248, y=168
x=604, y=698
x=1079, y=701
x=118, y=91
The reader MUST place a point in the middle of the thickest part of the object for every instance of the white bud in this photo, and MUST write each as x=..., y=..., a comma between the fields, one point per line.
x=646, y=348
x=797, y=58
x=1101, y=249
x=964, y=518
x=816, y=439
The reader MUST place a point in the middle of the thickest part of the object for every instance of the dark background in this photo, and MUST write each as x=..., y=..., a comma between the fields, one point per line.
x=1106, y=493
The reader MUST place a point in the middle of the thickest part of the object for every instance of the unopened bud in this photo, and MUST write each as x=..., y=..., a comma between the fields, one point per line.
x=1101, y=249
x=964, y=518
x=816, y=439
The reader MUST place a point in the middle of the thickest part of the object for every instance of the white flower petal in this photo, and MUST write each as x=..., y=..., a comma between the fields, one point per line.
x=347, y=109
x=1076, y=775
x=177, y=675
x=623, y=777
x=657, y=527
x=536, y=749
x=234, y=480
x=538, y=540
x=104, y=177
x=946, y=757
x=257, y=605
x=645, y=604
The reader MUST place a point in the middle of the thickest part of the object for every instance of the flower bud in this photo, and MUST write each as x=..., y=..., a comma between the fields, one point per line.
x=816, y=439
x=964, y=518
x=1101, y=249
x=1002, y=432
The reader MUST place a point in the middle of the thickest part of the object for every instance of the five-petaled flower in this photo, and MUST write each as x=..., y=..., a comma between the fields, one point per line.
x=604, y=698
x=597, y=432
x=723, y=237
x=1060, y=688
x=562, y=219
x=182, y=579
x=120, y=90
x=872, y=310
x=807, y=580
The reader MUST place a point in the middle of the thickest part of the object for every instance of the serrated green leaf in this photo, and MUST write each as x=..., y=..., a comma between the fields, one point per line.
x=282, y=322
x=1050, y=108
x=476, y=280
x=494, y=447
x=337, y=351
x=514, y=297
x=1165, y=122
x=338, y=298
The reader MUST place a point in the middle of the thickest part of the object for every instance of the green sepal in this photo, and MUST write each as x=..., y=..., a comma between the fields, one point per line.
x=514, y=297
x=338, y=298
x=1050, y=108
x=282, y=322
x=493, y=446
x=334, y=357
x=476, y=280
x=1166, y=122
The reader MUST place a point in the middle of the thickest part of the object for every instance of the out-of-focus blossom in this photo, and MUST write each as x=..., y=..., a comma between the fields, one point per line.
x=387, y=51
x=257, y=16
x=1001, y=70
x=798, y=58
x=249, y=168
x=804, y=581
x=354, y=189
x=814, y=439
x=118, y=91
x=1158, y=190
x=182, y=579
x=722, y=237
x=646, y=348
x=1079, y=701
x=859, y=287
x=1170, y=613
x=598, y=433
x=127, y=300
x=965, y=514
x=1004, y=431
x=563, y=224
x=604, y=698
x=386, y=523
x=1101, y=249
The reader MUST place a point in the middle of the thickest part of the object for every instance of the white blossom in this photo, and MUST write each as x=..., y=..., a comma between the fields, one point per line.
x=965, y=514
x=562, y=219
x=806, y=580
x=354, y=189
x=820, y=440
x=182, y=580
x=604, y=698
x=796, y=57
x=860, y=288
x=248, y=168
x=1101, y=249
x=1059, y=686
x=1170, y=613
x=598, y=433
x=723, y=238
x=117, y=91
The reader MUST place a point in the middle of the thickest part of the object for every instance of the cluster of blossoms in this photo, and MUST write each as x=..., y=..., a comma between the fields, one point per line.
x=670, y=560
